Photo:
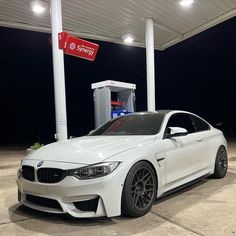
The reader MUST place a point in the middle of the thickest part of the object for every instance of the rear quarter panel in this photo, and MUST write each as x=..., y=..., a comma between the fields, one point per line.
x=216, y=140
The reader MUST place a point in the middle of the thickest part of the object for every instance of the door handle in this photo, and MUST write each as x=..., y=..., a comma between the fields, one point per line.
x=199, y=139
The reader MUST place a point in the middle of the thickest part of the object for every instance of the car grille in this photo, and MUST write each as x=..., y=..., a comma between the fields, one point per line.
x=28, y=173
x=41, y=201
x=89, y=205
x=50, y=175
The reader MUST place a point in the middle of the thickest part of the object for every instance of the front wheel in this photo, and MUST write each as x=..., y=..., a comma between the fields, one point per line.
x=139, y=190
x=221, y=163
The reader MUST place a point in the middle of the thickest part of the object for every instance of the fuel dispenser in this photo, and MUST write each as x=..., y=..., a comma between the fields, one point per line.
x=112, y=99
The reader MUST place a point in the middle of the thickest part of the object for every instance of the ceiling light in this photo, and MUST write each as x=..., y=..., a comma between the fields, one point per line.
x=38, y=6
x=128, y=38
x=186, y=3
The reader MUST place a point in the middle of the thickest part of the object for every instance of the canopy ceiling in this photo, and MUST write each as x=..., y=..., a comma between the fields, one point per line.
x=108, y=20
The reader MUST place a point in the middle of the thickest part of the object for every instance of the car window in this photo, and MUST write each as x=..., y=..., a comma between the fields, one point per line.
x=199, y=124
x=133, y=124
x=181, y=120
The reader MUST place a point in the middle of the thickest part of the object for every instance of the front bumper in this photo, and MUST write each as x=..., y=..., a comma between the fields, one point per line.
x=107, y=190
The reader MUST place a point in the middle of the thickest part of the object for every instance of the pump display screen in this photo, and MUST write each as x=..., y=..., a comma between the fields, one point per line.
x=133, y=124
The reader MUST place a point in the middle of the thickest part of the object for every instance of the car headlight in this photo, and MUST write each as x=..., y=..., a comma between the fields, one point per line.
x=94, y=171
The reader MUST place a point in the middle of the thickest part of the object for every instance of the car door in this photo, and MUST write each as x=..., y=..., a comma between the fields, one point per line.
x=180, y=152
x=202, y=161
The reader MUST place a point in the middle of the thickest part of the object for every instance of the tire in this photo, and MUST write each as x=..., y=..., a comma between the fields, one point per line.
x=139, y=190
x=221, y=163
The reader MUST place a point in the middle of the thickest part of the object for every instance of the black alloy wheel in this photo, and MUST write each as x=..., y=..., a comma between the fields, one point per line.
x=221, y=163
x=139, y=190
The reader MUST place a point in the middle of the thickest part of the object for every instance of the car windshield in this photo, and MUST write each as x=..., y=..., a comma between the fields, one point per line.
x=133, y=124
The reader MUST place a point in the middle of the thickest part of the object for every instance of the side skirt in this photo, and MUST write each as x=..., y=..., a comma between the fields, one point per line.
x=181, y=187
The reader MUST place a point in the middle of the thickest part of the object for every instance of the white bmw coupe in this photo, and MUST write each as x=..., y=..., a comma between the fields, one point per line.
x=122, y=166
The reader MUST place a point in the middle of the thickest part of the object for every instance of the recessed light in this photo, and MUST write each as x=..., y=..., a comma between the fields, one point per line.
x=38, y=6
x=128, y=38
x=186, y=3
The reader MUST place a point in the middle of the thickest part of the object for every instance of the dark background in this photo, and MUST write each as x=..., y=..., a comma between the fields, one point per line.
x=197, y=75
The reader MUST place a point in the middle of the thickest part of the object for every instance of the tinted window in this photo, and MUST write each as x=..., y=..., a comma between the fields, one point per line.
x=181, y=120
x=135, y=124
x=199, y=124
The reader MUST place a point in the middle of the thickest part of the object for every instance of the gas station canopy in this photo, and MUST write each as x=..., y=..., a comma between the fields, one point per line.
x=108, y=20
x=153, y=24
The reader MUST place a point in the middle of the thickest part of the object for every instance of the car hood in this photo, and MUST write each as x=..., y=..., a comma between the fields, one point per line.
x=89, y=149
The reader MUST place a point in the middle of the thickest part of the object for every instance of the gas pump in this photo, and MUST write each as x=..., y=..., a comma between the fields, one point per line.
x=112, y=99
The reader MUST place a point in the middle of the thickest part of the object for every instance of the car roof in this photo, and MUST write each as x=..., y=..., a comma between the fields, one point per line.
x=157, y=112
x=164, y=112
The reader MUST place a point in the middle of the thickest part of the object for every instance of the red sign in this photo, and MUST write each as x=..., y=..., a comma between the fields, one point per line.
x=62, y=39
x=117, y=103
x=77, y=47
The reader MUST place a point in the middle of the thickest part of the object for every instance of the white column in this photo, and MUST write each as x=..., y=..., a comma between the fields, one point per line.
x=149, y=35
x=58, y=71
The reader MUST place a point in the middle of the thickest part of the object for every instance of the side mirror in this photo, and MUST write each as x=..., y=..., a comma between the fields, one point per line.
x=176, y=132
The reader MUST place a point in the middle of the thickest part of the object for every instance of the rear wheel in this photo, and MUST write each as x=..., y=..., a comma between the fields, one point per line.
x=221, y=163
x=139, y=190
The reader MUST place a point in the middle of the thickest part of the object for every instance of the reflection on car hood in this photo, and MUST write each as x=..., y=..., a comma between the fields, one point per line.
x=89, y=149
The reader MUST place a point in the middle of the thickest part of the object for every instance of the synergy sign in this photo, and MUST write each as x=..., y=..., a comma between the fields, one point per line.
x=77, y=47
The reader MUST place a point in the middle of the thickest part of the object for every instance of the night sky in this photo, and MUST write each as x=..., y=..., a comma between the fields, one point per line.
x=196, y=75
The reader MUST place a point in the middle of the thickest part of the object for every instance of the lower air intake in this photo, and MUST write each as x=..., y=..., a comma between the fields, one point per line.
x=41, y=201
x=89, y=205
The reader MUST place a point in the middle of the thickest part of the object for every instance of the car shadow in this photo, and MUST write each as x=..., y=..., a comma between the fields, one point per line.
x=19, y=213
x=197, y=191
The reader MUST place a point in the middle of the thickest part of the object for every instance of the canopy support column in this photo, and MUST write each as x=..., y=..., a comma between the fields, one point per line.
x=58, y=71
x=149, y=36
